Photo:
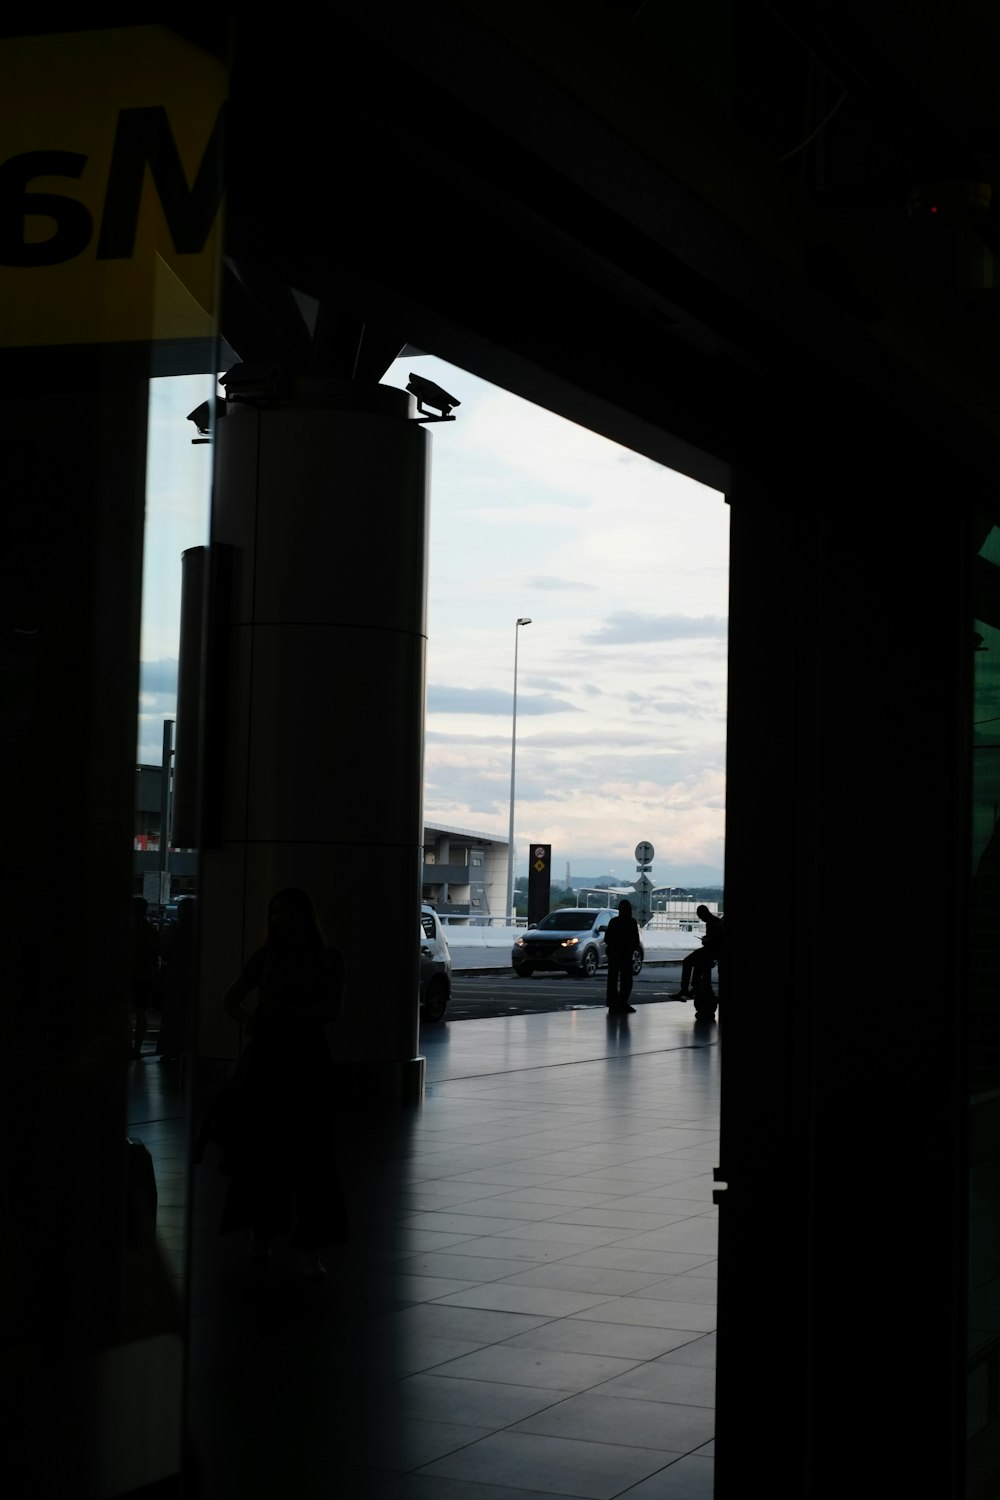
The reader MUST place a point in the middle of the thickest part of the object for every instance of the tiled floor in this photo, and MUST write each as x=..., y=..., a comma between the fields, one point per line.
x=527, y=1304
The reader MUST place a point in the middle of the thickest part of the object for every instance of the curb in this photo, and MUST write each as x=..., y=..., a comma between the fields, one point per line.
x=652, y=963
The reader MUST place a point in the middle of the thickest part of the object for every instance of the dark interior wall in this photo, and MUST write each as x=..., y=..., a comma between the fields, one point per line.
x=72, y=472
x=842, y=1125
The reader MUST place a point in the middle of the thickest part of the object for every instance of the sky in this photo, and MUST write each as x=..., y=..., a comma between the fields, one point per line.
x=622, y=567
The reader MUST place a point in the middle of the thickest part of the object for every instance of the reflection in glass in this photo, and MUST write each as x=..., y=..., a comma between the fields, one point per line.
x=983, y=1023
x=178, y=492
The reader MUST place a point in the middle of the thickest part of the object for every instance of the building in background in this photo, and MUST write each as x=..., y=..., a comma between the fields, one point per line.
x=159, y=873
x=465, y=874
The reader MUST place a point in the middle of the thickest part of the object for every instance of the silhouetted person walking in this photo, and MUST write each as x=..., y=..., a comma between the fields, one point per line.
x=274, y=1119
x=621, y=941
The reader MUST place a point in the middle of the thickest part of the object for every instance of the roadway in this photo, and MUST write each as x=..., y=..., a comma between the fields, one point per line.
x=499, y=992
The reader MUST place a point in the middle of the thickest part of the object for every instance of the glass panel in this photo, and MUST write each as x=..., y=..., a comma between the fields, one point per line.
x=178, y=496
x=109, y=275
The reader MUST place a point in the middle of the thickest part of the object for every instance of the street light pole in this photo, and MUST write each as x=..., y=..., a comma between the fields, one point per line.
x=523, y=620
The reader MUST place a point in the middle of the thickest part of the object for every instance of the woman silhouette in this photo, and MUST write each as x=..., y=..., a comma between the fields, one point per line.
x=274, y=1118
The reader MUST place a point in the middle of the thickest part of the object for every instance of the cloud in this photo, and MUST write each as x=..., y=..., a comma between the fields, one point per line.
x=670, y=707
x=159, y=676
x=459, y=700
x=149, y=738
x=562, y=585
x=157, y=701
x=597, y=819
x=627, y=628
x=534, y=682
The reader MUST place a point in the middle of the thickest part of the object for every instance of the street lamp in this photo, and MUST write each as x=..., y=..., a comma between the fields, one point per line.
x=513, y=745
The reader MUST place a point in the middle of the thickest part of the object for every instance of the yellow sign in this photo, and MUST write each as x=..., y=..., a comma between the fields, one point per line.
x=111, y=185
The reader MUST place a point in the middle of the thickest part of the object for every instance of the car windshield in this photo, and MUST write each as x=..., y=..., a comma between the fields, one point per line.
x=567, y=921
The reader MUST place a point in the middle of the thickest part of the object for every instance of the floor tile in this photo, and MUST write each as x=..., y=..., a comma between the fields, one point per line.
x=451, y=1321
x=625, y=1257
x=684, y=1289
x=506, y=1177
x=571, y=1277
x=513, y=1247
x=426, y=1239
x=417, y=1288
x=479, y=1403
x=690, y=1478
x=552, y=1302
x=576, y=1235
x=557, y=1198
x=502, y=1209
x=603, y=1418
x=529, y=1249
x=697, y=1351
x=408, y=1443
x=653, y=1314
x=695, y=1235
x=597, y=1471
x=685, y=1385
x=466, y=1224
x=663, y=1200
x=389, y=1355
x=621, y=1340
x=461, y=1264
x=552, y=1369
x=436, y=1487
x=614, y=1217
x=439, y=1193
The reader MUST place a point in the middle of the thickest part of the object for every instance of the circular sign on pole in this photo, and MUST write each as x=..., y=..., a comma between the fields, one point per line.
x=644, y=853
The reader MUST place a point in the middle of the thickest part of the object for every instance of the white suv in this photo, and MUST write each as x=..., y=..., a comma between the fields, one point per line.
x=435, y=966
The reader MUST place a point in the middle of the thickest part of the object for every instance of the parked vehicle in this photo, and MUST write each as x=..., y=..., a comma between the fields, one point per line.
x=435, y=966
x=570, y=941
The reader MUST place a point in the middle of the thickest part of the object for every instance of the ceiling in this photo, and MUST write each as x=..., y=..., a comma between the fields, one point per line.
x=691, y=227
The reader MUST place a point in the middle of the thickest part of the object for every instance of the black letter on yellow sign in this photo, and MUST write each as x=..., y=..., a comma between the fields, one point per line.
x=144, y=137
x=73, y=223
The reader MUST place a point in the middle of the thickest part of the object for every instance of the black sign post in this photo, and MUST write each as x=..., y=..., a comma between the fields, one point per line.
x=539, y=882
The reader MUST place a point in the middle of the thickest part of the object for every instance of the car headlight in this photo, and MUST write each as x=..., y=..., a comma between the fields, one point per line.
x=519, y=942
x=569, y=942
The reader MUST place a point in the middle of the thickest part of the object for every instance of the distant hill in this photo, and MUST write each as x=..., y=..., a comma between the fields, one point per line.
x=689, y=876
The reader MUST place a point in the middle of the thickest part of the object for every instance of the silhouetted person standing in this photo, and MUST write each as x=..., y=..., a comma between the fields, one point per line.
x=621, y=941
x=274, y=1119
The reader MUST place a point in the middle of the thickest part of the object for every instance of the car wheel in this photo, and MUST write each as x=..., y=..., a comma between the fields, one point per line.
x=436, y=1002
x=589, y=964
x=636, y=963
x=523, y=971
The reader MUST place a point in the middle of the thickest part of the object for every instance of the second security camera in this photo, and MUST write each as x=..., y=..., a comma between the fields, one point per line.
x=427, y=392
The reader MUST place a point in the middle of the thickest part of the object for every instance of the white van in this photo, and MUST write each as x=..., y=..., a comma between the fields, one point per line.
x=435, y=966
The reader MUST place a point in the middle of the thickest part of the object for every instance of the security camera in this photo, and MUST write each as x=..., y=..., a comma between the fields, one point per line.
x=426, y=390
x=201, y=417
